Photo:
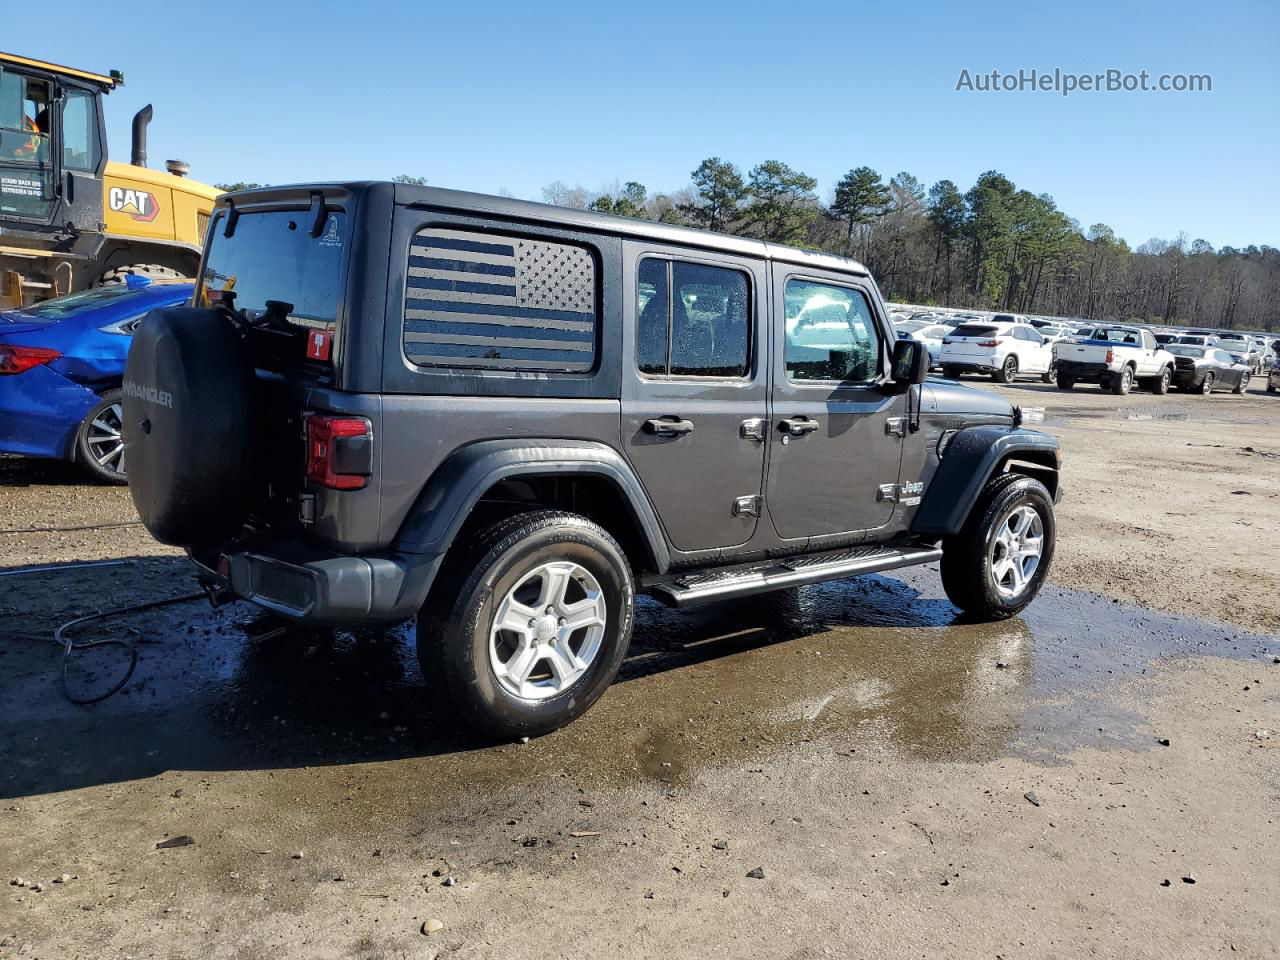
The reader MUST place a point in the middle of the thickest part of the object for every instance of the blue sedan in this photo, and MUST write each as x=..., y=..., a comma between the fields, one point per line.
x=61, y=366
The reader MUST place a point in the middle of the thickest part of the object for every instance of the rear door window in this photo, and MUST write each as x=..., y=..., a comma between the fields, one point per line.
x=500, y=302
x=693, y=320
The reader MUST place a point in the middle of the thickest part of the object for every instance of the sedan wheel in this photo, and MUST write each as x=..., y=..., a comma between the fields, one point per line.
x=1206, y=385
x=99, y=443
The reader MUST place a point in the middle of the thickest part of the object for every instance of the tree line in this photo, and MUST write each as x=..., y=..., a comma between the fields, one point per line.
x=993, y=246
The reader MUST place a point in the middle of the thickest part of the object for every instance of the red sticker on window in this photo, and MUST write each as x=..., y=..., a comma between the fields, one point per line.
x=319, y=343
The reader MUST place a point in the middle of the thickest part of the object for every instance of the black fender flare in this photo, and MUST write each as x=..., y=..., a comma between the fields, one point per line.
x=969, y=460
x=458, y=483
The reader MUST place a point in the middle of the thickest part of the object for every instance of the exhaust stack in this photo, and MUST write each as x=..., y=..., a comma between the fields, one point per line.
x=140, y=121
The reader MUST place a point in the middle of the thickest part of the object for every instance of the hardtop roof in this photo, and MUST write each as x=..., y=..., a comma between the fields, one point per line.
x=528, y=211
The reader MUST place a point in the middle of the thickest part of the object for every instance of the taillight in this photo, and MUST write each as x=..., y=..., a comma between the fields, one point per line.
x=21, y=359
x=1111, y=355
x=339, y=451
x=989, y=343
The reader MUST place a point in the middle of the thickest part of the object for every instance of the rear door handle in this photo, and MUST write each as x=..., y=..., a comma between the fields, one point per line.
x=668, y=426
x=798, y=426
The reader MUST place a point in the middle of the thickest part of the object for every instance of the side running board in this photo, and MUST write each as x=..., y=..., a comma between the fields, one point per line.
x=718, y=584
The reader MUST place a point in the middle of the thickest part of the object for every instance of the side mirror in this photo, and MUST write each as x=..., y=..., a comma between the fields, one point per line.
x=910, y=363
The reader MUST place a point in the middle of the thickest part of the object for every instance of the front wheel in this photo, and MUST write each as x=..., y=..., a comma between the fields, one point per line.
x=1160, y=385
x=997, y=563
x=1007, y=371
x=528, y=624
x=1243, y=385
x=99, y=444
x=1065, y=382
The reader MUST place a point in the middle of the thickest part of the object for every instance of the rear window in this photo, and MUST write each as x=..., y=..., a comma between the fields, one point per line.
x=499, y=302
x=1004, y=318
x=974, y=330
x=74, y=303
x=273, y=256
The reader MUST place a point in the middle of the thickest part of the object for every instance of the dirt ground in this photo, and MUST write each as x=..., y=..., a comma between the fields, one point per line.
x=1098, y=777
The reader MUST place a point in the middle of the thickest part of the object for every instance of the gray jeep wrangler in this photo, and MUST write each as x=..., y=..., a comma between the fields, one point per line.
x=507, y=419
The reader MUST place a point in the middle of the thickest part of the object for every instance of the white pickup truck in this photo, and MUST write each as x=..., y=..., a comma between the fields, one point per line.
x=1114, y=358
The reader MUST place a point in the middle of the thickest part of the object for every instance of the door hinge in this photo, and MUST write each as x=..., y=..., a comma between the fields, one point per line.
x=752, y=429
x=896, y=426
x=746, y=506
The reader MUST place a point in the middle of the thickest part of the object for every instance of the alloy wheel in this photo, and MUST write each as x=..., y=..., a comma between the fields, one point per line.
x=547, y=631
x=104, y=440
x=1015, y=552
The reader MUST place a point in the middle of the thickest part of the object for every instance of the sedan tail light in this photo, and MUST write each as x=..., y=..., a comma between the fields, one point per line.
x=21, y=359
x=339, y=451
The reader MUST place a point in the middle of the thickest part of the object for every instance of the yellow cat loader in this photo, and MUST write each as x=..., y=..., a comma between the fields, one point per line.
x=69, y=217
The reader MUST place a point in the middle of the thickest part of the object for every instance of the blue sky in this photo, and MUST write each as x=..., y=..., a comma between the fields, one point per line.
x=483, y=96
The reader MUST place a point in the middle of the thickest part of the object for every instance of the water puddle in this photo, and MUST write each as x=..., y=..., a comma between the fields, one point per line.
x=880, y=665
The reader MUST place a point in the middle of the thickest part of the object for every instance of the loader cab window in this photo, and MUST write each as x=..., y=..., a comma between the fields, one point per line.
x=80, y=142
x=24, y=118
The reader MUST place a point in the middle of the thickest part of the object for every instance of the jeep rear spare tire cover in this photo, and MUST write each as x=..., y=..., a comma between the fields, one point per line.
x=187, y=426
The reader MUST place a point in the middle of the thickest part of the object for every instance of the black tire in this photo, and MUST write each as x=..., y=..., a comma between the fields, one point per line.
x=1065, y=382
x=1243, y=385
x=454, y=626
x=95, y=450
x=1051, y=374
x=1160, y=385
x=967, y=557
x=1122, y=382
x=1206, y=385
x=951, y=373
x=1008, y=370
x=1271, y=387
x=152, y=271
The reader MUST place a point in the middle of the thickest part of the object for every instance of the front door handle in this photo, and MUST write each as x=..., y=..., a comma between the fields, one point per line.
x=668, y=426
x=798, y=426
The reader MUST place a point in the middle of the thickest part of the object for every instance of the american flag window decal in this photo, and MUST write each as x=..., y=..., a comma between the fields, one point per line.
x=495, y=302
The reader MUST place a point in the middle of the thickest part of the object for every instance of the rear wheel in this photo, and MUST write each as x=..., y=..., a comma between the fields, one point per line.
x=99, y=444
x=1206, y=385
x=951, y=373
x=528, y=624
x=997, y=563
x=1243, y=385
x=1008, y=370
x=1160, y=385
x=1049, y=375
x=1122, y=382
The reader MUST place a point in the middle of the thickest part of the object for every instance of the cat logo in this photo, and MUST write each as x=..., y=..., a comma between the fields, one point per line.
x=138, y=204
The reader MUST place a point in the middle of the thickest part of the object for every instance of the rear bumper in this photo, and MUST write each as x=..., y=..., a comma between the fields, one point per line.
x=1185, y=378
x=969, y=364
x=40, y=411
x=302, y=582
